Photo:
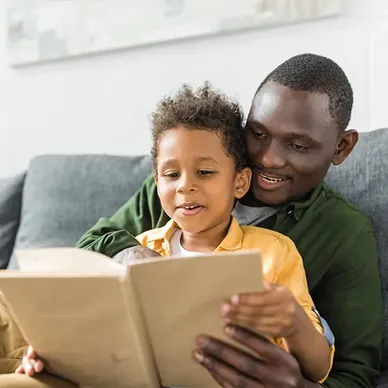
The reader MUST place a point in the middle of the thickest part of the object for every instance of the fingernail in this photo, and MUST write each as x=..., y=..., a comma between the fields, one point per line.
x=200, y=341
x=199, y=356
x=225, y=309
x=229, y=330
x=234, y=299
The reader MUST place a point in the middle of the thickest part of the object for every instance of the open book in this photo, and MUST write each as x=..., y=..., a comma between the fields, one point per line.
x=102, y=324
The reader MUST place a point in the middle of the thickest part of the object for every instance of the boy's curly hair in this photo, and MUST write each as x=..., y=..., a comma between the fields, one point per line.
x=204, y=109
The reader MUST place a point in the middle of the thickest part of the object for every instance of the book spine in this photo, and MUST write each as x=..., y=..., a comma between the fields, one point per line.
x=143, y=344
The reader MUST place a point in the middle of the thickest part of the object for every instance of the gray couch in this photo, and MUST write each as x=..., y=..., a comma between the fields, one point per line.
x=60, y=197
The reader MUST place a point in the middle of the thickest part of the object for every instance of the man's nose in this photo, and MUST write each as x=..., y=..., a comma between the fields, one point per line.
x=271, y=156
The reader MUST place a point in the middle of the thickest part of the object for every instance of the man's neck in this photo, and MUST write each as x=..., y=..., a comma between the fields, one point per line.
x=207, y=240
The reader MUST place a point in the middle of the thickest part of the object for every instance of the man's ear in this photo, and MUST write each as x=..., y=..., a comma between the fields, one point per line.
x=346, y=143
x=243, y=182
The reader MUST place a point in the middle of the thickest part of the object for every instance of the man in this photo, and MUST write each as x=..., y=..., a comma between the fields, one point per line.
x=296, y=128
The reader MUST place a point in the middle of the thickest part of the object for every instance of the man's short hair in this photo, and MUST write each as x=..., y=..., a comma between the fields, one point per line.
x=206, y=109
x=317, y=74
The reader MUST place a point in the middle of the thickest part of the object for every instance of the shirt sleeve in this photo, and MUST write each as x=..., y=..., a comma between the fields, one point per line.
x=290, y=273
x=112, y=235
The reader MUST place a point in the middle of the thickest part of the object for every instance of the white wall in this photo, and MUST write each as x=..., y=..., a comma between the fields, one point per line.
x=101, y=104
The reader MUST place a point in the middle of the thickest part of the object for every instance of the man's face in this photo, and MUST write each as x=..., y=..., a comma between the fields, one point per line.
x=291, y=142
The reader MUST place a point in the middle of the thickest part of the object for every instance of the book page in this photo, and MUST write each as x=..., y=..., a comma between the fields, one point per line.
x=70, y=260
x=181, y=298
x=80, y=324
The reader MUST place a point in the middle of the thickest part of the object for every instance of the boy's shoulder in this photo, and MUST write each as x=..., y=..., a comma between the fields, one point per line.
x=255, y=236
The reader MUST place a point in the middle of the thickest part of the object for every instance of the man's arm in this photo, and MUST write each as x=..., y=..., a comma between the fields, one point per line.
x=141, y=213
x=350, y=299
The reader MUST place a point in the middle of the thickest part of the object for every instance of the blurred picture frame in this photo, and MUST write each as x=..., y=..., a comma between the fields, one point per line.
x=44, y=30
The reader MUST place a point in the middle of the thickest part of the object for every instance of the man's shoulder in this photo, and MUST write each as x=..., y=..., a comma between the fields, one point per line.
x=341, y=213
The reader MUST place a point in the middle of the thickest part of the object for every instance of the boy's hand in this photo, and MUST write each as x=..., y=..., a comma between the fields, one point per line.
x=31, y=364
x=273, y=312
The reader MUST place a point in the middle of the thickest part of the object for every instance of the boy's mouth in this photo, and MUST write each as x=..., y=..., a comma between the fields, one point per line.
x=190, y=209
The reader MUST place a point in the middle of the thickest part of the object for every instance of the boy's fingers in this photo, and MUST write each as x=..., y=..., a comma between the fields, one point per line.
x=28, y=366
x=20, y=369
x=38, y=366
x=31, y=354
x=229, y=310
x=267, y=325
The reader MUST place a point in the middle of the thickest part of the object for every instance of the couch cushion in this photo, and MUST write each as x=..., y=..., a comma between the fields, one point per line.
x=10, y=206
x=65, y=195
x=363, y=180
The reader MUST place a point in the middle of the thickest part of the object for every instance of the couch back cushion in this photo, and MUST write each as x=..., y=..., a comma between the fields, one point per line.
x=10, y=208
x=363, y=180
x=64, y=195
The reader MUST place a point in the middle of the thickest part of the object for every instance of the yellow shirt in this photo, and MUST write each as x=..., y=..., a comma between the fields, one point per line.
x=282, y=263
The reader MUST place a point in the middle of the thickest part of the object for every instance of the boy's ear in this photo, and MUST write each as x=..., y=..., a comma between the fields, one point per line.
x=156, y=178
x=243, y=182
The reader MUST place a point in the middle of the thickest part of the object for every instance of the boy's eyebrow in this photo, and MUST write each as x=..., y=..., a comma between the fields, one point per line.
x=207, y=159
x=172, y=161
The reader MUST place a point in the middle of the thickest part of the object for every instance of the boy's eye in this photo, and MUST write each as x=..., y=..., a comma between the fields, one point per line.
x=171, y=175
x=205, y=172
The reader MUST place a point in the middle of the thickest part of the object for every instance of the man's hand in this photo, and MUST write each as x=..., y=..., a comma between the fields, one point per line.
x=230, y=367
x=273, y=312
x=135, y=253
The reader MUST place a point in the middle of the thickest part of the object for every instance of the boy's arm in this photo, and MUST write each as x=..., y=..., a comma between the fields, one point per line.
x=306, y=342
x=310, y=348
x=142, y=212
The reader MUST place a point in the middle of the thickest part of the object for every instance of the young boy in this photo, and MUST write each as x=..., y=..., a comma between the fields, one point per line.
x=200, y=167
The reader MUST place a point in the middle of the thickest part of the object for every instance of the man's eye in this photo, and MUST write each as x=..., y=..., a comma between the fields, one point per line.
x=258, y=135
x=205, y=172
x=299, y=147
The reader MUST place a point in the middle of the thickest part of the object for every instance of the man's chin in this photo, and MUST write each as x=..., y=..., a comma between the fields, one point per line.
x=270, y=198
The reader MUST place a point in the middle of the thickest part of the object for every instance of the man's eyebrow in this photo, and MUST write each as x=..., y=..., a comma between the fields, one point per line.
x=296, y=135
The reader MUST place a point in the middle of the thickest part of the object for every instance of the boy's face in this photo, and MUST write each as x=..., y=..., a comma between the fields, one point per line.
x=197, y=181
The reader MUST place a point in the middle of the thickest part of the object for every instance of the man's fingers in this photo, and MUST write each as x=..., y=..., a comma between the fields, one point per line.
x=261, y=346
x=230, y=356
x=225, y=375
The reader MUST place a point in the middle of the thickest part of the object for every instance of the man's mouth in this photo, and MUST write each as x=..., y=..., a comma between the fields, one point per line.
x=272, y=178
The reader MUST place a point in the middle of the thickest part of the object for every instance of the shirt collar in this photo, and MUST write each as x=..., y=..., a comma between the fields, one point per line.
x=234, y=237
x=300, y=206
x=162, y=233
x=231, y=242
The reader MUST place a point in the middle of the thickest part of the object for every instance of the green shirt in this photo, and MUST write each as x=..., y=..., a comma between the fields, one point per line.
x=338, y=247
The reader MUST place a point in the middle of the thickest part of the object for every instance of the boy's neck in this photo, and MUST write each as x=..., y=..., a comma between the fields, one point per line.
x=206, y=241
